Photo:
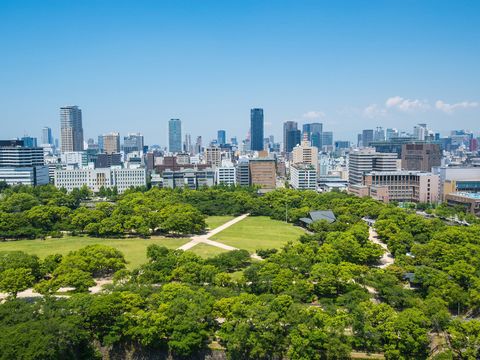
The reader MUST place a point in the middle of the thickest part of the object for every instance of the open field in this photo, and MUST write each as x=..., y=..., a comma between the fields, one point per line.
x=134, y=249
x=215, y=221
x=258, y=232
x=206, y=251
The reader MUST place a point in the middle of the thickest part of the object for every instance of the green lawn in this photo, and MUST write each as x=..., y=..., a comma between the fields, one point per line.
x=215, y=221
x=133, y=249
x=258, y=232
x=206, y=251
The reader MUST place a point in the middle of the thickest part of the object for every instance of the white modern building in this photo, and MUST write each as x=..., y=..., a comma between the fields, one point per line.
x=362, y=161
x=94, y=179
x=226, y=175
x=303, y=177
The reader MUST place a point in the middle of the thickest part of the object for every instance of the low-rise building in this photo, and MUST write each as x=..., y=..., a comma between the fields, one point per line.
x=471, y=201
x=94, y=179
x=402, y=186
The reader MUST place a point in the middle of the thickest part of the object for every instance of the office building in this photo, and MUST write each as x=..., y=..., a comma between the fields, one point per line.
x=47, y=138
x=401, y=186
x=133, y=143
x=391, y=133
x=221, y=137
x=379, y=134
x=226, y=175
x=243, y=172
x=303, y=177
x=342, y=144
x=78, y=158
x=421, y=157
x=71, y=129
x=420, y=132
x=362, y=161
x=188, y=178
x=105, y=160
x=314, y=133
x=291, y=136
x=326, y=139
x=22, y=165
x=94, y=179
x=263, y=173
x=213, y=155
x=111, y=143
x=305, y=153
x=458, y=179
x=367, y=137
x=256, y=129
x=29, y=141
x=175, y=136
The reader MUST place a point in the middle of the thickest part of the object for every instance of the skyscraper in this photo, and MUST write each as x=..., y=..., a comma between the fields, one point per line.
x=47, y=138
x=314, y=133
x=221, y=137
x=367, y=137
x=256, y=129
x=291, y=136
x=175, y=136
x=71, y=130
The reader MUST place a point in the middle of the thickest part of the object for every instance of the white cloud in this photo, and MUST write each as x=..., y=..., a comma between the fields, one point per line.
x=314, y=114
x=450, y=108
x=373, y=111
x=407, y=105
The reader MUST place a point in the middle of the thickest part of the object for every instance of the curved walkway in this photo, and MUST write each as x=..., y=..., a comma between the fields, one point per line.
x=387, y=257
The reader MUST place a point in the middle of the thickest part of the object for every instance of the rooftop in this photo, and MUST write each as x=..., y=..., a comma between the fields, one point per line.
x=470, y=195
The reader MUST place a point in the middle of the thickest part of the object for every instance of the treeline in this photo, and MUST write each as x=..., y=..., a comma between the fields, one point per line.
x=32, y=212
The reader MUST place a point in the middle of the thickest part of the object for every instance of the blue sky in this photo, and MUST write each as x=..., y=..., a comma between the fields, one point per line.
x=132, y=65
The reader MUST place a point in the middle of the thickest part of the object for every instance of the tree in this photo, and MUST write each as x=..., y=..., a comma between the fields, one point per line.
x=13, y=281
x=181, y=219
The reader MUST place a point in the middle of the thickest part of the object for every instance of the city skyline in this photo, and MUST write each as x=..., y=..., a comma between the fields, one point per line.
x=349, y=66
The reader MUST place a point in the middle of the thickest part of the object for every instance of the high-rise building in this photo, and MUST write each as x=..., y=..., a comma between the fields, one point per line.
x=71, y=129
x=132, y=142
x=314, y=133
x=175, y=135
x=379, y=134
x=305, y=153
x=326, y=139
x=291, y=136
x=221, y=137
x=187, y=145
x=421, y=157
x=391, y=133
x=256, y=129
x=111, y=143
x=47, y=138
x=367, y=137
x=198, y=145
x=362, y=161
x=22, y=165
x=29, y=141
x=420, y=132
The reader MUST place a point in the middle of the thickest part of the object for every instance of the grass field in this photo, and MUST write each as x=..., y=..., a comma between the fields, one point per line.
x=215, y=221
x=133, y=249
x=206, y=251
x=258, y=232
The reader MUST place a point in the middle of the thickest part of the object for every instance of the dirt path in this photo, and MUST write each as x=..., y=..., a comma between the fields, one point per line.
x=387, y=258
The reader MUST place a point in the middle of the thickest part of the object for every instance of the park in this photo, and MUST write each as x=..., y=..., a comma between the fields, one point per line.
x=251, y=234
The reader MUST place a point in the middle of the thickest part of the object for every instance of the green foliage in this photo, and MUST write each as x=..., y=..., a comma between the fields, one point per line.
x=12, y=281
